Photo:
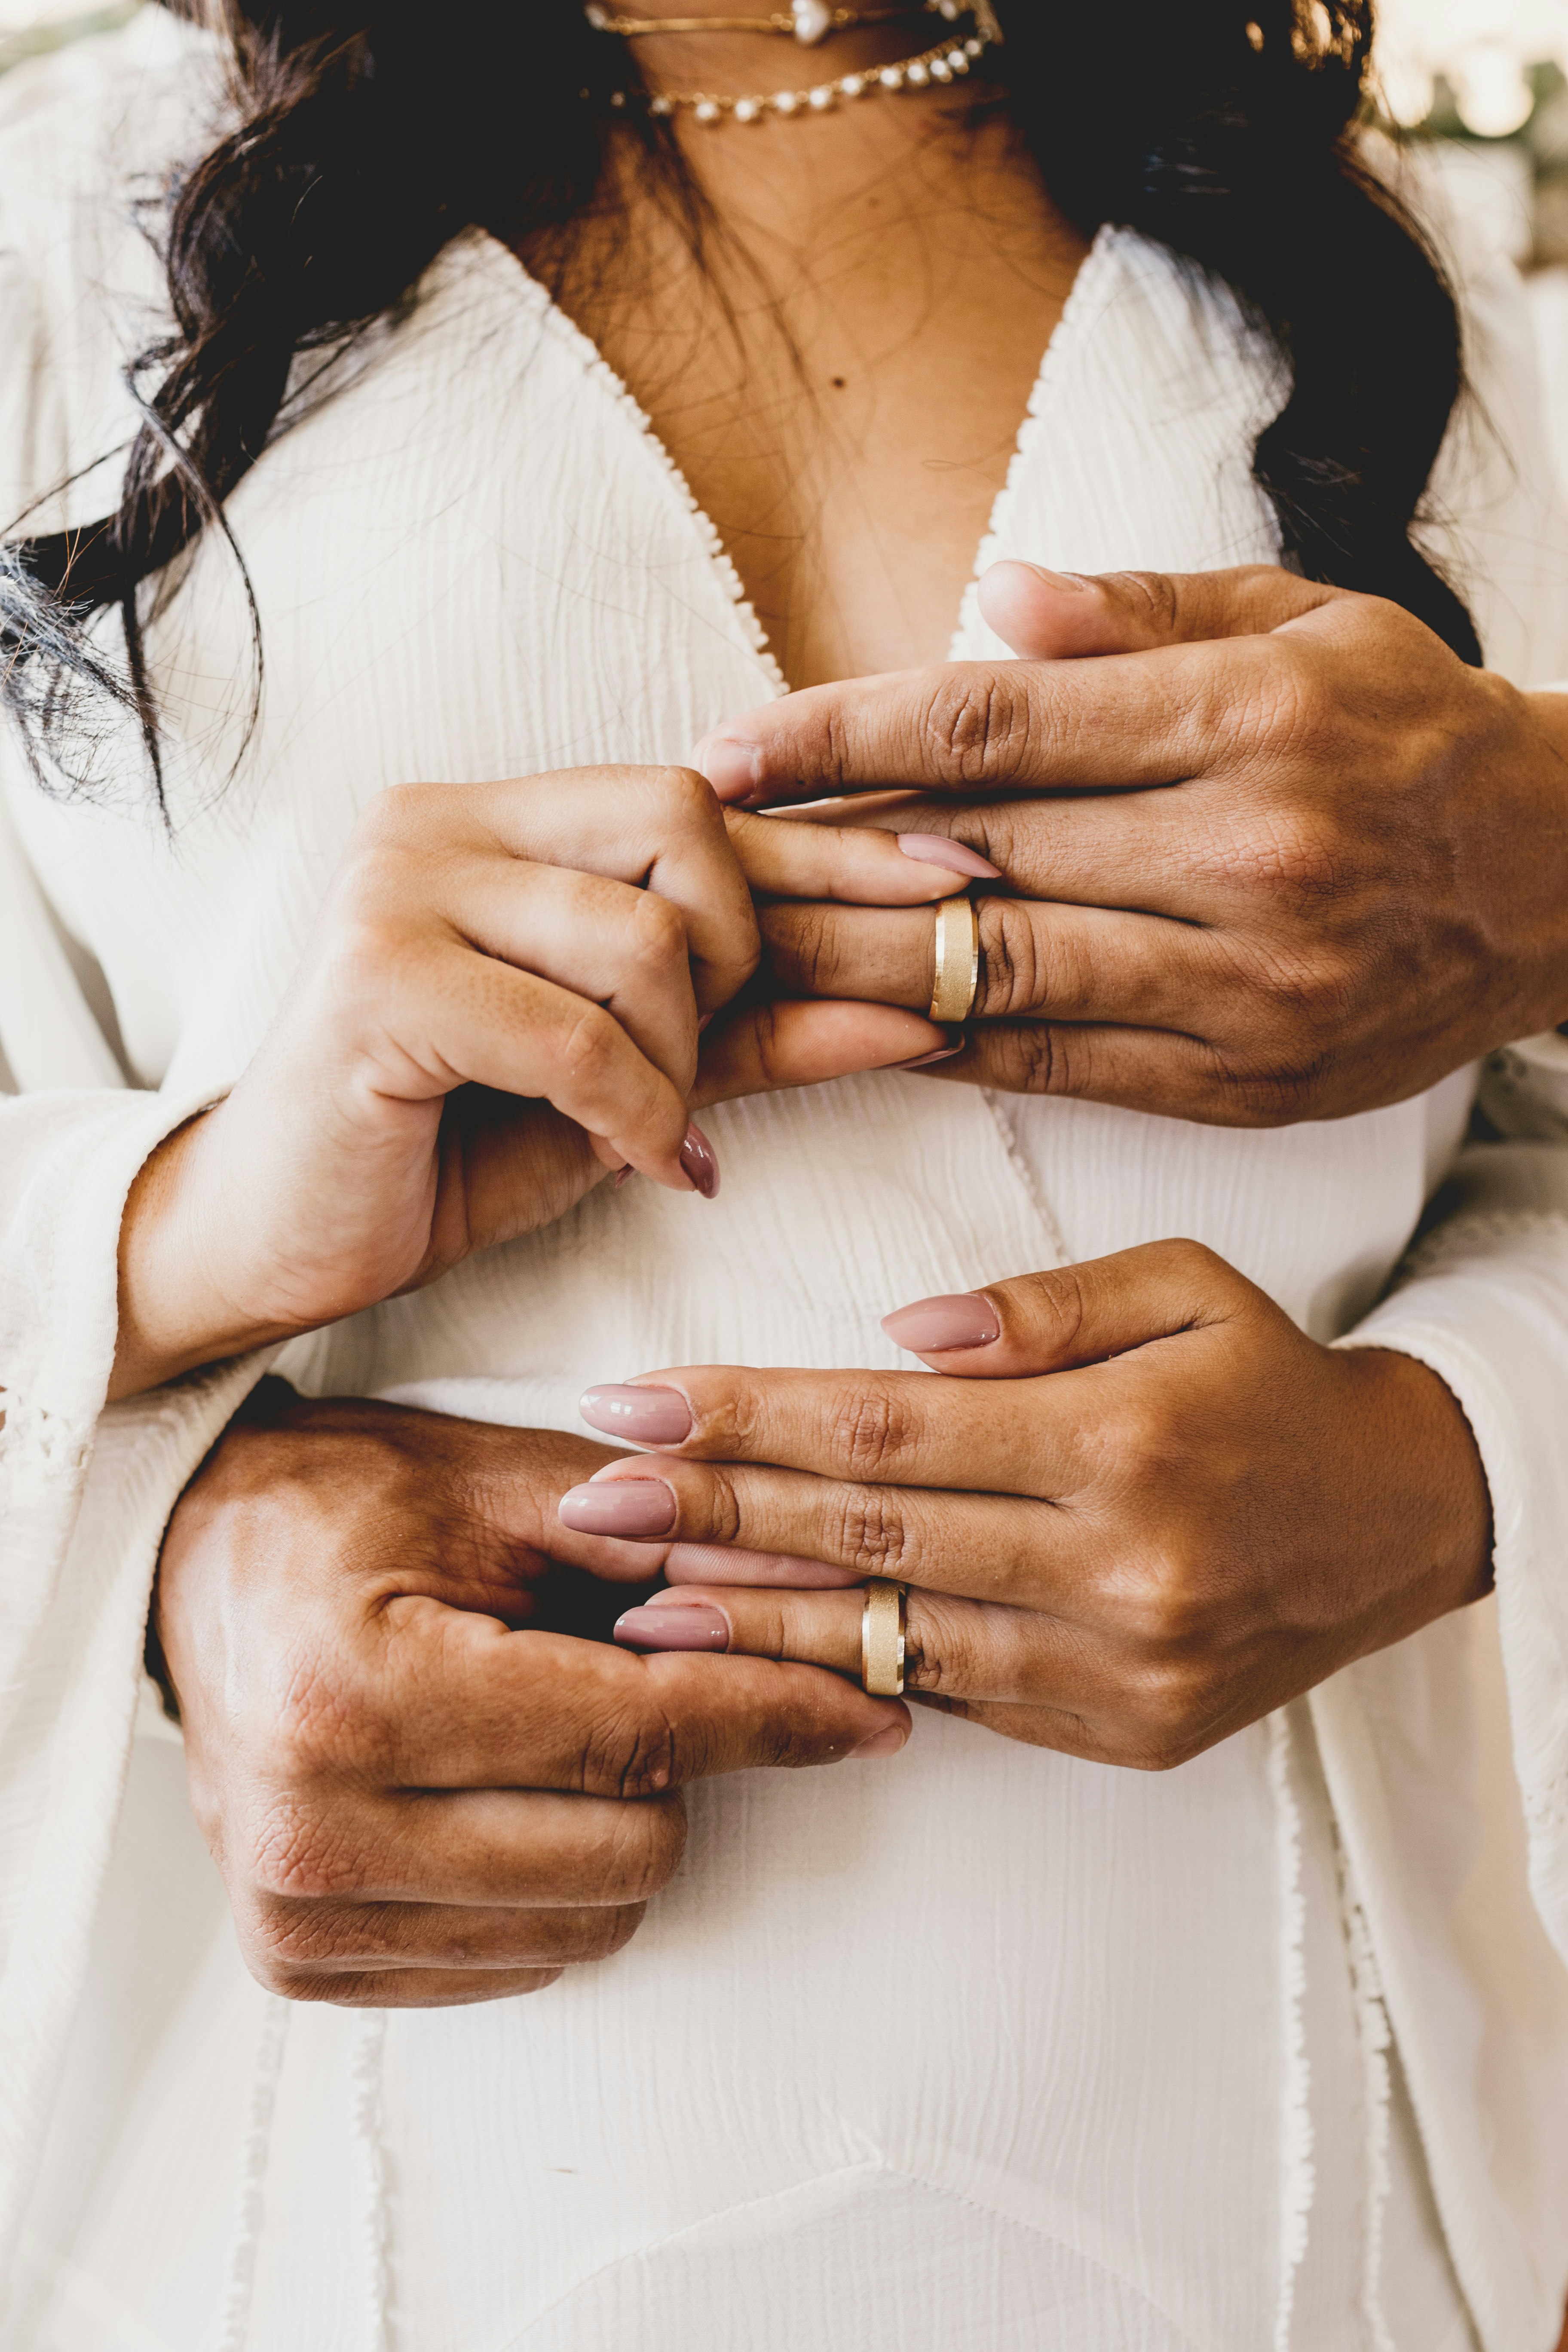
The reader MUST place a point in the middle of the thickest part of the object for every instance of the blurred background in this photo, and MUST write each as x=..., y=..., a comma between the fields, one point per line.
x=1480, y=86
x=1486, y=78
x=1484, y=82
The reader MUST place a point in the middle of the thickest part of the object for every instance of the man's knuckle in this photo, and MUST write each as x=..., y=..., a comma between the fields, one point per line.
x=1036, y=1062
x=630, y=1749
x=975, y=723
x=1010, y=959
x=323, y=1723
x=332, y=1988
x=811, y=955
x=1273, y=1096
x=599, y=1935
x=1151, y=595
x=1290, y=702
x=643, y=1853
x=870, y=1430
x=944, y=1649
x=297, y=1934
x=300, y=1849
x=873, y=1536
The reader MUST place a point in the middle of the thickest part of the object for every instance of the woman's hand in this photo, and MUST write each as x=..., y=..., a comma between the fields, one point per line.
x=1296, y=861
x=412, y=1803
x=1139, y=1510
x=500, y=1002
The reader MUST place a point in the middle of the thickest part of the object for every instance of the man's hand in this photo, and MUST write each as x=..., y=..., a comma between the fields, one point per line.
x=420, y=1788
x=1282, y=855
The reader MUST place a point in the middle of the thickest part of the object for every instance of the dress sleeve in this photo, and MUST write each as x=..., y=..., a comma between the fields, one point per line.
x=85, y=1490
x=84, y=1494
x=1482, y=1300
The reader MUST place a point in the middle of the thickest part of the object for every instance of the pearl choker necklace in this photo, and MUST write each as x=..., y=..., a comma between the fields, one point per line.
x=809, y=22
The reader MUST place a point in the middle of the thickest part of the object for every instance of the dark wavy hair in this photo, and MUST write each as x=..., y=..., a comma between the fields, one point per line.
x=366, y=138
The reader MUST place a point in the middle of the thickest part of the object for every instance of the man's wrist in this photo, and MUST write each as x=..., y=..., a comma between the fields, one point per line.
x=1545, y=844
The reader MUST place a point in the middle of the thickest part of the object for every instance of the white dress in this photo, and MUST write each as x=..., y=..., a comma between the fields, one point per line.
x=986, y=2049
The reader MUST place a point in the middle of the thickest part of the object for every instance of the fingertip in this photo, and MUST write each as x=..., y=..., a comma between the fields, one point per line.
x=953, y=856
x=1045, y=615
x=952, y=1323
x=706, y=1564
x=701, y=1163
x=680, y=1624
x=886, y=1742
x=732, y=765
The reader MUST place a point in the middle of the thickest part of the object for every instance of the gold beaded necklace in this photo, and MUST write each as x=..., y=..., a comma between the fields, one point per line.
x=809, y=21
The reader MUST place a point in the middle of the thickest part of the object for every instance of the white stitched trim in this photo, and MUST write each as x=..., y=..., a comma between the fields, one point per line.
x=370, y=2051
x=595, y=366
x=39, y=1447
x=1297, y=2175
x=1478, y=1226
x=1373, y=2039
x=266, y=2069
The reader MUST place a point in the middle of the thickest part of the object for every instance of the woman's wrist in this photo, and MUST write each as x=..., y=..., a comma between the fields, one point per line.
x=173, y=1315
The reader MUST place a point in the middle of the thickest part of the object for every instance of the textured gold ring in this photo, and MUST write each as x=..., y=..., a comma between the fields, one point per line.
x=882, y=1622
x=957, y=982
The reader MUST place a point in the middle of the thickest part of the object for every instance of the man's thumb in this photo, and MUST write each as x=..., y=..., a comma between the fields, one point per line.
x=1059, y=615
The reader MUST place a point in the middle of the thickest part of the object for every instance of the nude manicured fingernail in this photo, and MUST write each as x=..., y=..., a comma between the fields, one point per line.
x=648, y=1416
x=625, y=1506
x=731, y=766
x=701, y=1163
x=881, y=1743
x=935, y=849
x=685, y=1625
x=942, y=1054
x=962, y=1320
x=1069, y=583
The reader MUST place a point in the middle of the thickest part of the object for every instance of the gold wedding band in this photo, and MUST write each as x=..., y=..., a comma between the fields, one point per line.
x=957, y=982
x=882, y=1622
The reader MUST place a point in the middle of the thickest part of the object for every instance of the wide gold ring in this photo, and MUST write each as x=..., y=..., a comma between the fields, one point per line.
x=882, y=1622
x=957, y=982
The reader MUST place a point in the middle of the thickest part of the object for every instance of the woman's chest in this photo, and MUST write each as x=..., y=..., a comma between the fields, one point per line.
x=477, y=561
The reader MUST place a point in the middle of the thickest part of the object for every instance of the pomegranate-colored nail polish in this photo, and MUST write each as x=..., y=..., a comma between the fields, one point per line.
x=701, y=1163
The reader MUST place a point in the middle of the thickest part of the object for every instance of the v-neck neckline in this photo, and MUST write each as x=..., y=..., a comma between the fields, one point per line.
x=1059, y=347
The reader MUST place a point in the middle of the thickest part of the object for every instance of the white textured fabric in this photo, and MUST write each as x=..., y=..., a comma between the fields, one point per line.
x=988, y=2048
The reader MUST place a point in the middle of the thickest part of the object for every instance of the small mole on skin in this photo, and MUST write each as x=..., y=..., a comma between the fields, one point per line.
x=838, y=383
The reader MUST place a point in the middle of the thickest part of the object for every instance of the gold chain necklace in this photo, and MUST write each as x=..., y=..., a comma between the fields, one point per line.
x=809, y=21
x=947, y=61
